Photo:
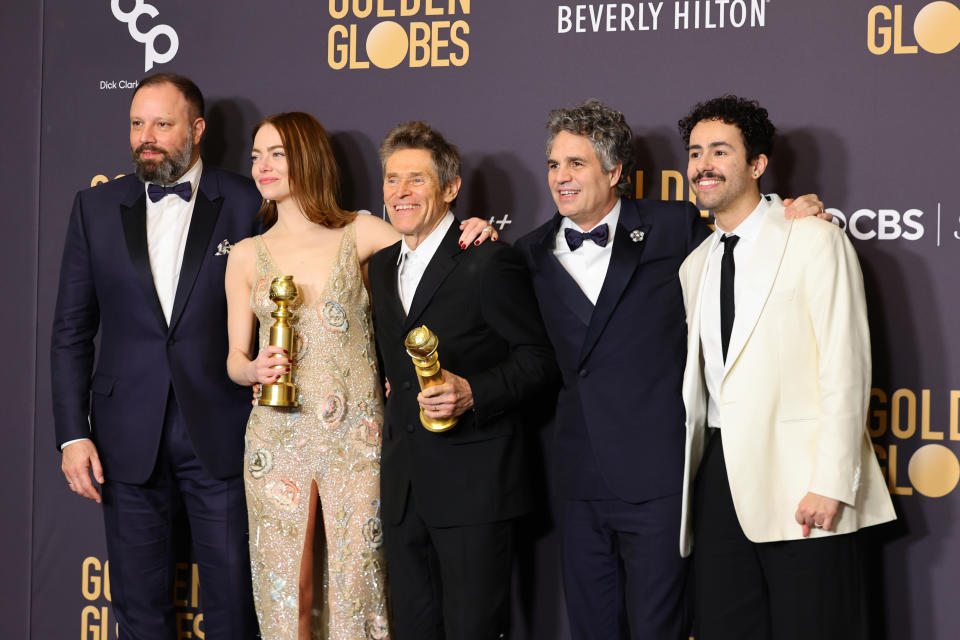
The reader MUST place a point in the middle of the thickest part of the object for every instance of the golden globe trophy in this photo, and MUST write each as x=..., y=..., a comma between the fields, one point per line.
x=281, y=393
x=421, y=344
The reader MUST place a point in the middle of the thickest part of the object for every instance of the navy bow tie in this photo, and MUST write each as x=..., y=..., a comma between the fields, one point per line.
x=157, y=192
x=599, y=234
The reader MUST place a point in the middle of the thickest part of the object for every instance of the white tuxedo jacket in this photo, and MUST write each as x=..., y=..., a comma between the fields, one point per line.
x=794, y=394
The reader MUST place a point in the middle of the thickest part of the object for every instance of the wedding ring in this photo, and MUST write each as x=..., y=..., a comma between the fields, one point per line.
x=487, y=229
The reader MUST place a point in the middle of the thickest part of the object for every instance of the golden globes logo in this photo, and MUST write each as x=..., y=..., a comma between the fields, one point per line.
x=95, y=622
x=915, y=457
x=101, y=179
x=433, y=33
x=95, y=588
x=672, y=186
x=936, y=29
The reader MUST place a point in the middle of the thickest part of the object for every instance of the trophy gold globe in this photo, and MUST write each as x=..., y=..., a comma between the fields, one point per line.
x=421, y=344
x=282, y=393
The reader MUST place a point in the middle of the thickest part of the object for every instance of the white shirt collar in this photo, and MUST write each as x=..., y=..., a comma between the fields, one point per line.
x=746, y=230
x=428, y=247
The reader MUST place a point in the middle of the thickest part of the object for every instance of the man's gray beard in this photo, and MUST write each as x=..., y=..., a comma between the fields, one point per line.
x=169, y=169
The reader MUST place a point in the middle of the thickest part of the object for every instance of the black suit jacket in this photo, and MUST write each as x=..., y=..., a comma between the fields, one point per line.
x=620, y=416
x=106, y=285
x=480, y=304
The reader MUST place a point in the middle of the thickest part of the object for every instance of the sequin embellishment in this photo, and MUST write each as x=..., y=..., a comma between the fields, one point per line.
x=330, y=444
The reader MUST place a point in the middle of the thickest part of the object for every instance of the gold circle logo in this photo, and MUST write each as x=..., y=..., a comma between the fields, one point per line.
x=934, y=470
x=937, y=27
x=387, y=44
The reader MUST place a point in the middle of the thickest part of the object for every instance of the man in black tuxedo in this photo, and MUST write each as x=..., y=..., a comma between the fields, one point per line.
x=450, y=499
x=605, y=271
x=143, y=264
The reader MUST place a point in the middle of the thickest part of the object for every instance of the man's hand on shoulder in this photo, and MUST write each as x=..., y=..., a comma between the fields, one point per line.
x=817, y=512
x=452, y=398
x=78, y=460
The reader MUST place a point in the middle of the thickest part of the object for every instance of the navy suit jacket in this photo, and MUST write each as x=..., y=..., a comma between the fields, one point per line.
x=106, y=285
x=620, y=414
x=480, y=305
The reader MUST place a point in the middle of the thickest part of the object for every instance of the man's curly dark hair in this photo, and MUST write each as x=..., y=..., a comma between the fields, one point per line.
x=747, y=115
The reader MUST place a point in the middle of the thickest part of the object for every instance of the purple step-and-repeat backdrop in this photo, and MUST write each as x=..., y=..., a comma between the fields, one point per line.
x=861, y=93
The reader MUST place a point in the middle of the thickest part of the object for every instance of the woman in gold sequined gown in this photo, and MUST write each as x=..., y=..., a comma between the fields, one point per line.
x=315, y=468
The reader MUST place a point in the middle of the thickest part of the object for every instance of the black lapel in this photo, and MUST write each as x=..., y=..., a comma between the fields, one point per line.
x=389, y=281
x=205, y=212
x=623, y=264
x=443, y=262
x=134, y=220
x=547, y=267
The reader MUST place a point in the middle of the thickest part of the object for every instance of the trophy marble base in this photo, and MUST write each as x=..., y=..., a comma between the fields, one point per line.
x=278, y=394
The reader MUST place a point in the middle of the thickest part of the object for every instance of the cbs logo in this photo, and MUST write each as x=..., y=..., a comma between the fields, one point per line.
x=936, y=29
x=882, y=224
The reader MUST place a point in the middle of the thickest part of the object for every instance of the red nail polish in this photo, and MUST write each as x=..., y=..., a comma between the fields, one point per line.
x=476, y=243
x=463, y=245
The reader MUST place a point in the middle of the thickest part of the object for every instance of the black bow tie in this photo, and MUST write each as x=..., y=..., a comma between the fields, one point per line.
x=599, y=234
x=158, y=192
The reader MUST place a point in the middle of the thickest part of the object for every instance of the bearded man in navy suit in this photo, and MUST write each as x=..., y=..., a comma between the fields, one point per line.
x=143, y=264
x=605, y=271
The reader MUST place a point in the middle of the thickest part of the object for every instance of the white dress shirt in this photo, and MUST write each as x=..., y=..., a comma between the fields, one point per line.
x=168, y=222
x=588, y=264
x=713, y=365
x=413, y=262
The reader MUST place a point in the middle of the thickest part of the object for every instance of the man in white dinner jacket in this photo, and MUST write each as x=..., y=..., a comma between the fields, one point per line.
x=779, y=471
